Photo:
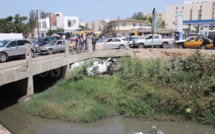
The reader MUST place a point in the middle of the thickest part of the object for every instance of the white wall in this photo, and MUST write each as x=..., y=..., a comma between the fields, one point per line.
x=207, y=10
x=74, y=21
x=60, y=21
x=195, y=11
x=46, y=21
x=187, y=11
x=129, y=25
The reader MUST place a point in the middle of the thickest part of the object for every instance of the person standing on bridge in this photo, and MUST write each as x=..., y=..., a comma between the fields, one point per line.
x=82, y=39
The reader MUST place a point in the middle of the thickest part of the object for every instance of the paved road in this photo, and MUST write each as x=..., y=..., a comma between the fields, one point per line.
x=37, y=55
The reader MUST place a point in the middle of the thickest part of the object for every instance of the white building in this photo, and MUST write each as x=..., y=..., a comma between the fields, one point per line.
x=124, y=27
x=195, y=12
x=68, y=23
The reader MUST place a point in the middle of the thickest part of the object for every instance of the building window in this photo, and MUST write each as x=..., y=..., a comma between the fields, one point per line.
x=141, y=25
x=69, y=23
x=124, y=24
x=134, y=24
x=44, y=25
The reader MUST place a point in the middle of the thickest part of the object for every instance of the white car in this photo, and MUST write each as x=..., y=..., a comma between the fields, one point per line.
x=101, y=66
x=53, y=47
x=113, y=43
x=158, y=41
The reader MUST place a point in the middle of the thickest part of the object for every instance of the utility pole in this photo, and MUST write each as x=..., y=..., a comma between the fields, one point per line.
x=50, y=21
x=118, y=27
x=38, y=34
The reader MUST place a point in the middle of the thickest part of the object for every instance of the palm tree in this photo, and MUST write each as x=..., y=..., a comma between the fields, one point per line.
x=149, y=19
x=162, y=24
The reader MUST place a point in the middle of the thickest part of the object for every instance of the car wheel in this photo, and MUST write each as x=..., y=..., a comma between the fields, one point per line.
x=32, y=54
x=165, y=45
x=180, y=46
x=50, y=51
x=3, y=57
x=202, y=47
x=141, y=45
x=110, y=71
x=121, y=46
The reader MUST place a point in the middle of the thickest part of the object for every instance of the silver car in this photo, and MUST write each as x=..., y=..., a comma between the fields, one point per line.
x=14, y=48
x=113, y=43
x=53, y=47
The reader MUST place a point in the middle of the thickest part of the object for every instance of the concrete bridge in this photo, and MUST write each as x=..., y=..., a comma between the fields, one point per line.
x=25, y=70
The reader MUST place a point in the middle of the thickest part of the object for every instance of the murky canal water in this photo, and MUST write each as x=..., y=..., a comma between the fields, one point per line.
x=19, y=122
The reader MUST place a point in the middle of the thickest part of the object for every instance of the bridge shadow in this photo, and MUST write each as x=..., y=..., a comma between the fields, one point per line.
x=47, y=79
x=12, y=92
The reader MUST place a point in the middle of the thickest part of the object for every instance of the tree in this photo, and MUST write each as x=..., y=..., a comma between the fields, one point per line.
x=134, y=16
x=139, y=16
x=162, y=24
x=149, y=19
x=32, y=23
x=50, y=32
x=43, y=15
x=107, y=31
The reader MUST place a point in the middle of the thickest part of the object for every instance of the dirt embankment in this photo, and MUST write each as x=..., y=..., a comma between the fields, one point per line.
x=167, y=53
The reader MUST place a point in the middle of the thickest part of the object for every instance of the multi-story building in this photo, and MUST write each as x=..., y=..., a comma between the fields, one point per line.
x=57, y=20
x=89, y=25
x=97, y=26
x=199, y=13
x=124, y=27
x=160, y=17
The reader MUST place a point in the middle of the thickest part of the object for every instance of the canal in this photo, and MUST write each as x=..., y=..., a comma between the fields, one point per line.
x=19, y=122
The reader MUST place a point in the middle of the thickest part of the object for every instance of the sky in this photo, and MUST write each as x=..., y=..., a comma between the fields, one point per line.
x=86, y=10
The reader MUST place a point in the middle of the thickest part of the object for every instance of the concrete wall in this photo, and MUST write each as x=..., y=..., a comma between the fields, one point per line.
x=195, y=11
x=60, y=21
x=207, y=10
x=128, y=26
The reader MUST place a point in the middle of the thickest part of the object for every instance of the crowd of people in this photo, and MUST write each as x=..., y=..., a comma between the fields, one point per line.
x=81, y=41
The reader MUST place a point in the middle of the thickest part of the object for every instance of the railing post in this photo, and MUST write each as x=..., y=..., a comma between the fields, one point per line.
x=67, y=68
x=90, y=45
x=67, y=48
x=28, y=55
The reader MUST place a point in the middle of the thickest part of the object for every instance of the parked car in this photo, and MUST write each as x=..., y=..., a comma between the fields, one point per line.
x=53, y=47
x=133, y=38
x=113, y=43
x=212, y=37
x=14, y=48
x=41, y=41
x=158, y=41
x=102, y=66
x=194, y=42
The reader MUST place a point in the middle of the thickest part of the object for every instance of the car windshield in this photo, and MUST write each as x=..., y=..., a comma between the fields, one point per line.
x=102, y=40
x=206, y=38
x=52, y=42
x=37, y=41
x=188, y=38
x=3, y=43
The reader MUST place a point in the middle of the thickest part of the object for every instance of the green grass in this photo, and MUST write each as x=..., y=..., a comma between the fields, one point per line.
x=178, y=89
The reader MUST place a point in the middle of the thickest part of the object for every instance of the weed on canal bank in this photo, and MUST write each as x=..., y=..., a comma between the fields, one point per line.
x=177, y=89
